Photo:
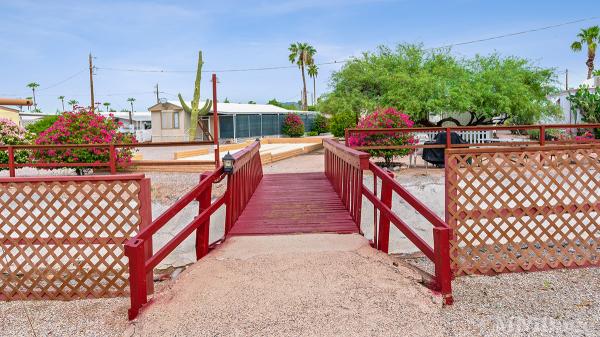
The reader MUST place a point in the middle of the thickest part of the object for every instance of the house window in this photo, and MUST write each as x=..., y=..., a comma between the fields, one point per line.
x=169, y=119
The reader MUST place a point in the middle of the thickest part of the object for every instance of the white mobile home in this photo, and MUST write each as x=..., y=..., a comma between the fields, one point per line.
x=236, y=120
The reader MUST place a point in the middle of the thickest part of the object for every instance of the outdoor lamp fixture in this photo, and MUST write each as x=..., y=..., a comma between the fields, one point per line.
x=228, y=162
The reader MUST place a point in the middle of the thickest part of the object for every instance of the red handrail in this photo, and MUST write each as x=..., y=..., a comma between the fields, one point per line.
x=240, y=186
x=448, y=130
x=344, y=168
x=112, y=164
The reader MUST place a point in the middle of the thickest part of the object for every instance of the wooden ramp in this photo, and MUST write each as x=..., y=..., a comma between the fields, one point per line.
x=294, y=203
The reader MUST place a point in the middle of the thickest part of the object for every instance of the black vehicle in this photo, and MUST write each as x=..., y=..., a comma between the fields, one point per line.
x=436, y=156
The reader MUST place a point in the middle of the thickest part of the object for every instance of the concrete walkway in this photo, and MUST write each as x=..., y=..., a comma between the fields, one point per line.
x=292, y=285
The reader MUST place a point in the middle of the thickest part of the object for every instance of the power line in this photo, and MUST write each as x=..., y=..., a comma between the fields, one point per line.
x=348, y=59
x=516, y=33
x=62, y=81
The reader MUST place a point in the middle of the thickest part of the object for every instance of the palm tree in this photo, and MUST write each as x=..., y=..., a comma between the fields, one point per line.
x=106, y=104
x=73, y=103
x=33, y=85
x=131, y=100
x=313, y=72
x=589, y=37
x=302, y=55
x=62, y=101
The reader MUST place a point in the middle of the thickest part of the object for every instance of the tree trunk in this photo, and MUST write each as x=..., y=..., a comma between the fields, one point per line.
x=590, y=63
x=304, y=101
x=314, y=90
x=131, y=115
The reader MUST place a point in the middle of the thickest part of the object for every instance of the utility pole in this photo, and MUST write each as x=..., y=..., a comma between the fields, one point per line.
x=157, y=98
x=92, y=105
x=567, y=79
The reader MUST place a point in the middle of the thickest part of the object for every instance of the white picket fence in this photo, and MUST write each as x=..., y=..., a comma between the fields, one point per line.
x=471, y=137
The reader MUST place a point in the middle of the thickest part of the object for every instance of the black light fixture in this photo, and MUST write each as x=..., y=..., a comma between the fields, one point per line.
x=228, y=162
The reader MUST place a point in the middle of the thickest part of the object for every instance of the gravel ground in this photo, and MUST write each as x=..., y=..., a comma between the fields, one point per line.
x=563, y=302
x=293, y=285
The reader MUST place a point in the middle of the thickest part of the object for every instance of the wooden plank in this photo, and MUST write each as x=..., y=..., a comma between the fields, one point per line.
x=294, y=203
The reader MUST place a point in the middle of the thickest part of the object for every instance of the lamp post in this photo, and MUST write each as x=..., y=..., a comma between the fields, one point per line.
x=228, y=162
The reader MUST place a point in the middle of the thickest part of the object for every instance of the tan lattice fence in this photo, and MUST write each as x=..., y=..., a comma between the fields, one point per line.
x=523, y=209
x=62, y=237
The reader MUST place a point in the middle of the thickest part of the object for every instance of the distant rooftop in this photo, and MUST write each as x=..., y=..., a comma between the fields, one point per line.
x=244, y=108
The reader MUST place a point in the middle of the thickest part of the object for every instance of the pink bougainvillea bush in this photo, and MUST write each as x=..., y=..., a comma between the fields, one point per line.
x=293, y=126
x=83, y=126
x=385, y=119
x=12, y=134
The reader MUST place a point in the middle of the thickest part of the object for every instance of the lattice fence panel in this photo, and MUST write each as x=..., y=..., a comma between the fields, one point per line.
x=523, y=209
x=64, y=239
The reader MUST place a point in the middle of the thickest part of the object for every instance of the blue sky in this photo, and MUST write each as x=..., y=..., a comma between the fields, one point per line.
x=48, y=41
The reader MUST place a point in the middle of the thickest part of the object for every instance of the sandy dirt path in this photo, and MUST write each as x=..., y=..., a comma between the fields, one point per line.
x=293, y=285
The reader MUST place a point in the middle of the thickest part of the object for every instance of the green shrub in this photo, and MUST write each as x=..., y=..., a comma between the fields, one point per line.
x=320, y=124
x=293, y=126
x=41, y=124
x=312, y=133
x=340, y=122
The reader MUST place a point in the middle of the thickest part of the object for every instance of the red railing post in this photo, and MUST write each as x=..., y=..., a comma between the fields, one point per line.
x=145, y=197
x=134, y=250
x=448, y=138
x=384, y=221
x=346, y=133
x=542, y=135
x=443, y=273
x=202, y=232
x=112, y=159
x=11, y=161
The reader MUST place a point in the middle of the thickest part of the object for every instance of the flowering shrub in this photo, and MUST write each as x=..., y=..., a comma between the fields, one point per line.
x=587, y=136
x=384, y=118
x=12, y=134
x=293, y=126
x=83, y=126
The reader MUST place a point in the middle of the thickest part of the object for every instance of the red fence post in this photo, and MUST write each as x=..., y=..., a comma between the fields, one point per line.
x=202, y=233
x=145, y=198
x=384, y=222
x=134, y=250
x=448, y=138
x=11, y=161
x=346, y=133
x=443, y=273
x=112, y=160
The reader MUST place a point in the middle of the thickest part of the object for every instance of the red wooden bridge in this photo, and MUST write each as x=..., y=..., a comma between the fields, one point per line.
x=290, y=203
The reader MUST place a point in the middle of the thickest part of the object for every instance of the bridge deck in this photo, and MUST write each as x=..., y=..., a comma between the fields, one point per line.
x=294, y=203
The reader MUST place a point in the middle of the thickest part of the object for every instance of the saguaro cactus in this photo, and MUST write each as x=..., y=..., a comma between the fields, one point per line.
x=194, y=111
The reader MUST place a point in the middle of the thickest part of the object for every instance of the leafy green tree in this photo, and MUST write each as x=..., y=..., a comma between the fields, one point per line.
x=226, y=100
x=106, y=104
x=425, y=83
x=589, y=37
x=302, y=55
x=32, y=86
x=281, y=105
